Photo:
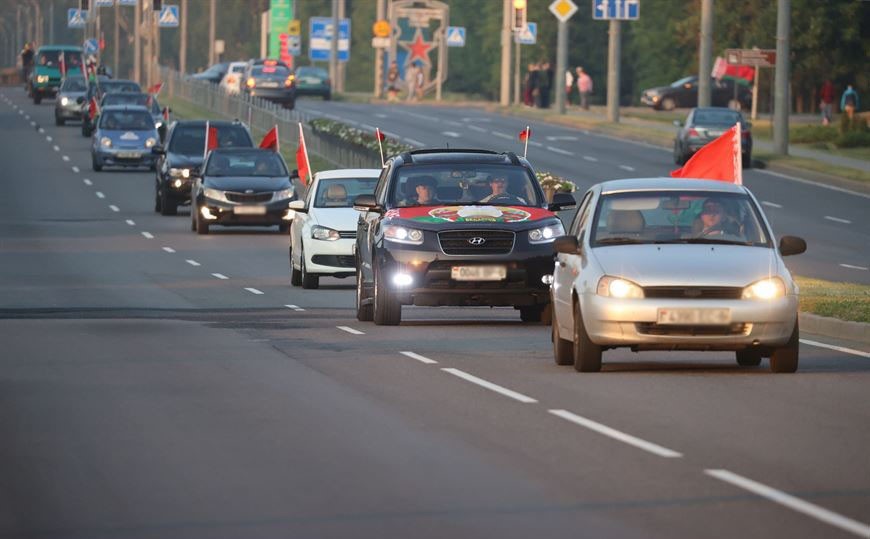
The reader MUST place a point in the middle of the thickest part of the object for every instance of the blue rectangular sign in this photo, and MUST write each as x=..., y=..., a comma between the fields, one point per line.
x=126, y=2
x=104, y=3
x=626, y=10
x=76, y=18
x=320, y=39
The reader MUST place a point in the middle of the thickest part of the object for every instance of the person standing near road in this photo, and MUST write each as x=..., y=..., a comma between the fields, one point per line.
x=26, y=61
x=545, y=84
x=530, y=88
x=569, y=86
x=584, y=86
x=826, y=96
x=849, y=102
x=411, y=81
x=393, y=82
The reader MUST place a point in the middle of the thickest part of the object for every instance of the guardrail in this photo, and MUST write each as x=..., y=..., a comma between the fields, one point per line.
x=262, y=115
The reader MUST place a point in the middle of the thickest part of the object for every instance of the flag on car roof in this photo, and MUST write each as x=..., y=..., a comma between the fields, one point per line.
x=155, y=89
x=270, y=140
x=303, y=166
x=211, y=139
x=718, y=160
x=93, y=108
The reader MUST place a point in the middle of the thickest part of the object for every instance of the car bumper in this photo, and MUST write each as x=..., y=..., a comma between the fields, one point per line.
x=651, y=101
x=230, y=214
x=330, y=257
x=634, y=323
x=71, y=111
x=277, y=95
x=125, y=157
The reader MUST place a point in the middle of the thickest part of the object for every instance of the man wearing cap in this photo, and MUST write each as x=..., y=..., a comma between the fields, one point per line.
x=424, y=188
x=500, y=195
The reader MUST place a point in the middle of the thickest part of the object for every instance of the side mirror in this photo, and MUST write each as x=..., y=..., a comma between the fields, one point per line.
x=294, y=173
x=80, y=99
x=566, y=244
x=298, y=205
x=158, y=150
x=678, y=123
x=562, y=201
x=366, y=203
x=792, y=245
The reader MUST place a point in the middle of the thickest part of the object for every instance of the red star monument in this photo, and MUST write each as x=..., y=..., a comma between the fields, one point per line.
x=419, y=48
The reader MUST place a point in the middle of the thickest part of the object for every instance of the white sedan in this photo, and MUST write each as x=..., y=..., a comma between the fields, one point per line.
x=232, y=81
x=323, y=232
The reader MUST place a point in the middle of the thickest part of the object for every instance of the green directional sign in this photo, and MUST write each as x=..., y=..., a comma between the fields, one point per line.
x=280, y=15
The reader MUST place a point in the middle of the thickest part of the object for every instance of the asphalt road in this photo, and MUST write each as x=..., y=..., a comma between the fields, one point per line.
x=156, y=383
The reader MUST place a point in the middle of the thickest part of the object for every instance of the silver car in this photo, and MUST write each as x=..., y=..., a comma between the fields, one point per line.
x=69, y=100
x=673, y=264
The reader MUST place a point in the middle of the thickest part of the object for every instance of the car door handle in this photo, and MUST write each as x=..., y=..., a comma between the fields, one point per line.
x=561, y=264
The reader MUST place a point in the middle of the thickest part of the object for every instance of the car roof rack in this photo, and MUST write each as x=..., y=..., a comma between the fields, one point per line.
x=408, y=157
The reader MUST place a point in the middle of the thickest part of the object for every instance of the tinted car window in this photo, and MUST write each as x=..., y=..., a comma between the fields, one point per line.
x=340, y=192
x=253, y=163
x=73, y=85
x=464, y=184
x=48, y=58
x=190, y=139
x=716, y=117
x=312, y=72
x=118, y=86
x=134, y=120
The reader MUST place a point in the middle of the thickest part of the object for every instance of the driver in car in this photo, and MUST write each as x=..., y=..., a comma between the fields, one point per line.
x=500, y=195
x=424, y=188
x=713, y=222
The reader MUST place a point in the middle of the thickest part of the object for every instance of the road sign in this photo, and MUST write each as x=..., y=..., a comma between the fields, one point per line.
x=320, y=39
x=280, y=15
x=104, y=3
x=381, y=28
x=455, y=36
x=527, y=36
x=91, y=46
x=751, y=57
x=294, y=45
x=625, y=10
x=76, y=18
x=563, y=9
x=168, y=17
x=126, y=2
x=380, y=42
x=294, y=27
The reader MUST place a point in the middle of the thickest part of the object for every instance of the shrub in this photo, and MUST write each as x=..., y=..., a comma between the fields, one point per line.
x=357, y=137
x=853, y=139
x=548, y=180
x=808, y=134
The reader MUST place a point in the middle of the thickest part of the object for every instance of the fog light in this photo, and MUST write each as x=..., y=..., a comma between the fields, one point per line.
x=206, y=213
x=177, y=183
x=547, y=279
x=402, y=279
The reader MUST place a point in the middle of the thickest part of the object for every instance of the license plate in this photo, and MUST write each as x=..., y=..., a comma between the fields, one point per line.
x=478, y=273
x=250, y=210
x=269, y=84
x=694, y=317
x=129, y=155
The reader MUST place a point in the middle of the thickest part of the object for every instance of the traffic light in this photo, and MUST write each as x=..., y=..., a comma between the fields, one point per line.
x=518, y=16
x=157, y=5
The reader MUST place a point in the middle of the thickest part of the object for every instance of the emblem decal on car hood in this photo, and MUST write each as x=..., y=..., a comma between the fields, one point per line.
x=470, y=214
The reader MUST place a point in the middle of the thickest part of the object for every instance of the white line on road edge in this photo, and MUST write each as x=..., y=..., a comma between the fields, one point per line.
x=88, y=182
x=502, y=135
x=626, y=167
x=255, y=291
x=350, y=330
x=169, y=249
x=220, y=276
x=837, y=348
x=559, y=150
x=75, y=169
x=114, y=208
x=617, y=435
x=193, y=262
x=296, y=308
x=414, y=142
x=418, y=357
x=489, y=385
x=100, y=194
x=451, y=134
x=815, y=184
x=838, y=220
x=796, y=504
x=56, y=148
x=476, y=128
x=850, y=266
x=369, y=127
x=65, y=157
x=392, y=135
x=130, y=222
x=590, y=158
x=148, y=235
x=771, y=204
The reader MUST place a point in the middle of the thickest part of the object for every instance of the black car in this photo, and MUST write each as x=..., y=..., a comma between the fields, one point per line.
x=704, y=125
x=96, y=90
x=271, y=80
x=213, y=74
x=684, y=93
x=242, y=187
x=313, y=81
x=455, y=227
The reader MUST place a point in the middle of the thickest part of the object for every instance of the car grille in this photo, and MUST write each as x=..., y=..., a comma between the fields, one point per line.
x=246, y=198
x=651, y=328
x=347, y=234
x=693, y=292
x=495, y=242
x=336, y=261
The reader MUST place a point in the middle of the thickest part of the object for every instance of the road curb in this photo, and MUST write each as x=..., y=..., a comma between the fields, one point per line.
x=835, y=328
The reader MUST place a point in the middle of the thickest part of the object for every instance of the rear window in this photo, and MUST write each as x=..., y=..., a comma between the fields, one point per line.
x=312, y=72
x=340, y=192
x=111, y=87
x=133, y=120
x=73, y=85
x=716, y=117
x=270, y=71
x=190, y=140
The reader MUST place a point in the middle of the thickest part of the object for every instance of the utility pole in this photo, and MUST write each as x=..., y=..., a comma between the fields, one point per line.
x=781, y=98
x=342, y=6
x=137, y=43
x=333, y=45
x=211, y=30
x=517, y=69
x=51, y=21
x=505, y=94
x=182, y=48
x=116, y=52
x=379, y=53
x=705, y=53
x=613, y=57
x=155, y=15
x=561, y=65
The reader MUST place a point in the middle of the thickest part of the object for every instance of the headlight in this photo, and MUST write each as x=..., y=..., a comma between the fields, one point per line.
x=42, y=78
x=765, y=289
x=283, y=194
x=214, y=194
x=106, y=142
x=158, y=125
x=150, y=141
x=400, y=234
x=322, y=233
x=179, y=172
x=64, y=101
x=546, y=234
x=615, y=287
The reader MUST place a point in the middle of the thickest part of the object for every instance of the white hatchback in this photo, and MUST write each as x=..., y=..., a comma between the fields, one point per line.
x=323, y=232
x=232, y=81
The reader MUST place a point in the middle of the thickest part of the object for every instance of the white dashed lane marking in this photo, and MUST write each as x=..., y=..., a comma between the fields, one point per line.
x=65, y=157
x=418, y=357
x=616, y=435
x=100, y=194
x=771, y=204
x=76, y=169
x=220, y=276
x=48, y=138
x=169, y=249
x=838, y=220
x=193, y=262
x=501, y=135
x=476, y=128
x=626, y=167
x=56, y=148
x=148, y=235
x=559, y=150
x=255, y=291
x=296, y=308
x=451, y=134
x=590, y=158
x=489, y=385
x=850, y=266
x=114, y=208
x=130, y=222
x=88, y=182
x=350, y=330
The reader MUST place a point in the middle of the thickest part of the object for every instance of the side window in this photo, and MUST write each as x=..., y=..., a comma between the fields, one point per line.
x=581, y=215
x=380, y=190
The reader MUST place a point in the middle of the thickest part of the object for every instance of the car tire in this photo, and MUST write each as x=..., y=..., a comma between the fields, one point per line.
x=37, y=99
x=532, y=313
x=167, y=207
x=310, y=281
x=785, y=358
x=749, y=357
x=747, y=160
x=157, y=206
x=201, y=224
x=59, y=121
x=364, y=313
x=668, y=103
x=95, y=163
x=284, y=228
x=678, y=155
x=563, y=350
x=295, y=274
x=587, y=355
x=387, y=310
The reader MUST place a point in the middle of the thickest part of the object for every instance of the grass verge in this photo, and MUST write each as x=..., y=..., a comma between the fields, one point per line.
x=845, y=301
x=799, y=164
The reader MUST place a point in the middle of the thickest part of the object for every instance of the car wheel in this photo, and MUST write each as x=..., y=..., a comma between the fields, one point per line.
x=785, y=359
x=678, y=155
x=201, y=223
x=95, y=163
x=37, y=99
x=563, y=350
x=747, y=160
x=59, y=121
x=167, y=207
x=387, y=310
x=309, y=280
x=364, y=313
x=749, y=358
x=587, y=355
x=295, y=274
x=531, y=313
x=668, y=103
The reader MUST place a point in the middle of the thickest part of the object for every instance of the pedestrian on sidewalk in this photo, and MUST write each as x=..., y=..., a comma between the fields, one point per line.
x=849, y=102
x=584, y=86
x=545, y=84
x=26, y=62
x=393, y=82
x=569, y=86
x=826, y=96
x=411, y=81
x=530, y=89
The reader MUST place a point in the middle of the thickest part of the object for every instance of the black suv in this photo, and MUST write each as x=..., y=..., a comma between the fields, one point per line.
x=180, y=159
x=455, y=227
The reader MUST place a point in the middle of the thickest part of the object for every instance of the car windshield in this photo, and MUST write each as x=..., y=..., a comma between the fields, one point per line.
x=190, y=139
x=130, y=120
x=48, y=58
x=464, y=184
x=684, y=80
x=315, y=72
x=73, y=85
x=678, y=217
x=259, y=163
x=143, y=100
x=716, y=117
x=111, y=87
x=340, y=192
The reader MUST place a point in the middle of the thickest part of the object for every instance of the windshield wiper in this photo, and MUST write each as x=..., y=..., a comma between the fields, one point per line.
x=713, y=241
x=618, y=241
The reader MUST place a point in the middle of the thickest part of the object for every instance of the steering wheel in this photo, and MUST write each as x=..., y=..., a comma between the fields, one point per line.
x=506, y=198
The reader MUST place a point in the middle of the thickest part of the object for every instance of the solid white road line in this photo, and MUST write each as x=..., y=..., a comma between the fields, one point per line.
x=255, y=291
x=88, y=182
x=350, y=330
x=392, y=135
x=130, y=222
x=148, y=235
x=65, y=157
x=850, y=266
x=114, y=208
x=838, y=220
x=771, y=204
x=626, y=167
x=489, y=385
x=169, y=249
x=451, y=134
x=796, y=504
x=590, y=158
x=193, y=263
x=499, y=134
x=100, y=194
x=418, y=357
x=655, y=449
x=75, y=169
x=559, y=150
x=369, y=127
x=414, y=142
x=836, y=348
x=296, y=308
x=220, y=276
x=476, y=128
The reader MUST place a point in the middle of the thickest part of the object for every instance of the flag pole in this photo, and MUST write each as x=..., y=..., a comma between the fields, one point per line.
x=738, y=158
x=277, y=139
x=305, y=150
x=205, y=146
x=380, y=145
x=526, y=149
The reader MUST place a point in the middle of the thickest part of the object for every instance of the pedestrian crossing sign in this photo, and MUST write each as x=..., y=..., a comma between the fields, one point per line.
x=168, y=17
x=76, y=18
x=528, y=35
x=455, y=36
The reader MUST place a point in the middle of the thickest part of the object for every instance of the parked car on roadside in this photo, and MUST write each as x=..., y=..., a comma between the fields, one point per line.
x=703, y=125
x=684, y=93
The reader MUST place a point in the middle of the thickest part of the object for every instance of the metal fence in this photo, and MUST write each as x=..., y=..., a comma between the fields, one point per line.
x=262, y=115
